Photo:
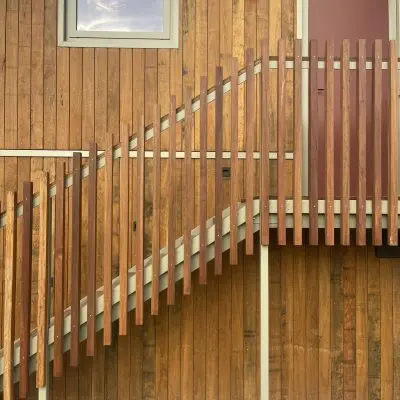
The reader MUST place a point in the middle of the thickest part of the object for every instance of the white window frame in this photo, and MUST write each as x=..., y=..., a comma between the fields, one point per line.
x=69, y=36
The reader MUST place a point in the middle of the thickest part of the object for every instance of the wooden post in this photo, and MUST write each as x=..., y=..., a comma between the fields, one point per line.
x=264, y=324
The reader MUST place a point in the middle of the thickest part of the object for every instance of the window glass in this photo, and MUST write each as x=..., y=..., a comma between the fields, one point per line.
x=120, y=15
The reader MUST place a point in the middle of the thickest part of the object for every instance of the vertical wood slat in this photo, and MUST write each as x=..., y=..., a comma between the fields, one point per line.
x=26, y=289
x=329, y=145
x=108, y=228
x=250, y=133
x=155, y=243
x=345, y=127
x=361, y=143
x=203, y=180
x=313, y=144
x=281, y=96
x=392, y=150
x=92, y=251
x=140, y=222
x=76, y=257
x=218, y=168
x=124, y=230
x=234, y=163
x=171, y=202
x=59, y=263
x=188, y=193
x=377, y=147
x=264, y=184
x=43, y=276
x=298, y=146
x=9, y=297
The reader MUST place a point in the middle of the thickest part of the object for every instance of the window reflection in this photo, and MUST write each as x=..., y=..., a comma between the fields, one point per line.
x=120, y=15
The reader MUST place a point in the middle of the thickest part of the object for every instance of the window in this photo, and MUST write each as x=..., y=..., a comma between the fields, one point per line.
x=118, y=23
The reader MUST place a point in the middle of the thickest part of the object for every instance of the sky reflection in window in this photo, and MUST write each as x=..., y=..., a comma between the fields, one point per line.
x=120, y=15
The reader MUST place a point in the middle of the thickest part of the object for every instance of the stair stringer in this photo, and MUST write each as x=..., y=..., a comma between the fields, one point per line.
x=241, y=223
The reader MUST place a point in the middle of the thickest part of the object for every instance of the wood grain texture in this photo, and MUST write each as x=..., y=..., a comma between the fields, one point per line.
x=92, y=250
x=393, y=163
x=26, y=290
x=281, y=127
x=218, y=169
x=155, y=242
x=250, y=137
x=188, y=192
x=140, y=222
x=171, y=202
x=9, y=297
x=76, y=258
x=361, y=143
x=298, y=147
x=329, y=144
x=124, y=229
x=313, y=143
x=377, y=140
x=43, y=280
x=59, y=265
x=203, y=179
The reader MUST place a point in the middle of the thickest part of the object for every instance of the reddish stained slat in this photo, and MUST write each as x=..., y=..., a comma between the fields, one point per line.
x=218, y=168
x=345, y=128
x=156, y=214
x=9, y=296
x=234, y=163
x=329, y=145
x=92, y=250
x=313, y=144
x=171, y=202
x=26, y=277
x=298, y=147
x=361, y=143
x=76, y=258
x=188, y=193
x=140, y=222
x=392, y=150
x=377, y=147
x=59, y=263
x=108, y=228
x=281, y=96
x=203, y=180
x=250, y=133
x=124, y=230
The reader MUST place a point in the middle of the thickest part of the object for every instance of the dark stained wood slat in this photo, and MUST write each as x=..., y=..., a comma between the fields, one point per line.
x=76, y=257
x=218, y=168
x=313, y=144
x=203, y=180
x=59, y=264
x=361, y=143
x=43, y=276
x=234, y=163
x=345, y=127
x=140, y=222
x=171, y=202
x=392, y=150
x=298, y=146
x=155, y=243
x=26, y=290
x=108, y=228
x=281, y=96
x=9, y=297
x=92, y=250
x=377, y=147
x=250, y=134
x=329, y=145
x=188, y=193
x=124, y=230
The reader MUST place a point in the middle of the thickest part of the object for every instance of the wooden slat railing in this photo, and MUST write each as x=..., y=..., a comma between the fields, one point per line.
x=284, y=203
